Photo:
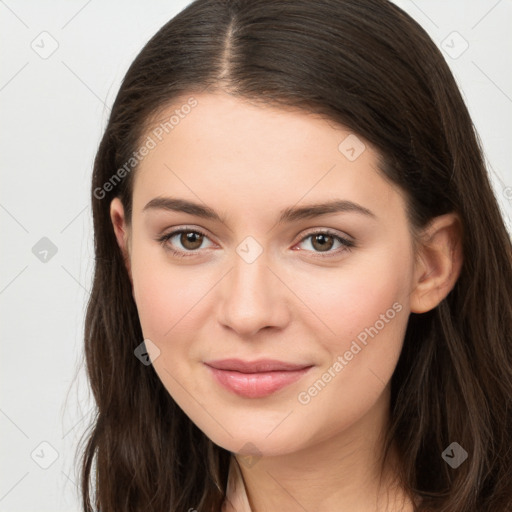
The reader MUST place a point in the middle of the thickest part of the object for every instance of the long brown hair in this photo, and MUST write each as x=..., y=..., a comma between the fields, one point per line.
x=366, y=65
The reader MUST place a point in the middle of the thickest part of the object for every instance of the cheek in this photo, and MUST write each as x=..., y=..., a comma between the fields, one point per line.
x=354, y=296
x=165, y=299
x=162, y=292
x=367, y=314
x=364, y=310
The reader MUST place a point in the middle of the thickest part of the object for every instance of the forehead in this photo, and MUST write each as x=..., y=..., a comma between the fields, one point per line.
x=254, y=156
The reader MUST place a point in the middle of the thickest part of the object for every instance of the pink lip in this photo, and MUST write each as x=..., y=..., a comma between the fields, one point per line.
x=255, y=379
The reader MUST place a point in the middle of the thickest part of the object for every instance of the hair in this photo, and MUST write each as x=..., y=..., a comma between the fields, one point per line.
x=368, y=66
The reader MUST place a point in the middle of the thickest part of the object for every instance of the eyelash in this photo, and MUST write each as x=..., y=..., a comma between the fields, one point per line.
x=347, y=244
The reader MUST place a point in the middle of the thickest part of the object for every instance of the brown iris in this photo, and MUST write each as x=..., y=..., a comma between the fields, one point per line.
x=190, y=237
x=320, y=239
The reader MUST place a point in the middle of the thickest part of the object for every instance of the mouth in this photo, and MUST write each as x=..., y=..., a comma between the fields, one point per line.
x=256, y=379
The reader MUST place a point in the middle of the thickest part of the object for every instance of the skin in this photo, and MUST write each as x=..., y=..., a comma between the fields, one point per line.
x=248, y=162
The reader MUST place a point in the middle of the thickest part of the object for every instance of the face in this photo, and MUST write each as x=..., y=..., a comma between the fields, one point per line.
x=257, y=272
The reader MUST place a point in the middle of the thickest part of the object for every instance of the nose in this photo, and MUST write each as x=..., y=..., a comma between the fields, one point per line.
x=253, y=298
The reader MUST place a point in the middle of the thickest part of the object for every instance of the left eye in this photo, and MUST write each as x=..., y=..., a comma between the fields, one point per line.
x=323, y=241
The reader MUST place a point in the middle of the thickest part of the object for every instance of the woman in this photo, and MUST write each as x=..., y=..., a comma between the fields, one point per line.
x=301, y=297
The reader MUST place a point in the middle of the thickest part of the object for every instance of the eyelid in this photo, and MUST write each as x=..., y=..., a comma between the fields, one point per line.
x=327, y=231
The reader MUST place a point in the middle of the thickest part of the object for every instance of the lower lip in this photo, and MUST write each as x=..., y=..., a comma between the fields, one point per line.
x=256, y=385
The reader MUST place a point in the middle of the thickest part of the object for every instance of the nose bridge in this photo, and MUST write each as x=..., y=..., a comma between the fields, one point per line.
x=251, y=294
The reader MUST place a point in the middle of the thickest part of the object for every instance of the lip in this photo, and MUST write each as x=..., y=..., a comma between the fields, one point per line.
x=256, y=379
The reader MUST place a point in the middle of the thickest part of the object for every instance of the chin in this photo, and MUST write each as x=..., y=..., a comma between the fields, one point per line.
x=255, y=442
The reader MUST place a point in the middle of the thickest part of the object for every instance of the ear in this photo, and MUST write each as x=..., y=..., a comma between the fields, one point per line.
x=121, y=231
x=438, y=262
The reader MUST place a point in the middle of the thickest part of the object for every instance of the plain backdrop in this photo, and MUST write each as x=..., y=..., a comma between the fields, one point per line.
x=61, y=66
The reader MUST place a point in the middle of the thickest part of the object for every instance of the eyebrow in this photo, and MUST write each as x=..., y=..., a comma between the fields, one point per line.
x=290, y=214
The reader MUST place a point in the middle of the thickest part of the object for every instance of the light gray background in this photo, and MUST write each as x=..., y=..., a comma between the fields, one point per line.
x=53, y=109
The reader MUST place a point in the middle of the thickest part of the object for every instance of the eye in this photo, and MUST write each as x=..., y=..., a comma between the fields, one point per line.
x=190, y=240
x=323, y=242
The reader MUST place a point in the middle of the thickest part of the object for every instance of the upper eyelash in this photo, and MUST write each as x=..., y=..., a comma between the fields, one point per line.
x=348, y=244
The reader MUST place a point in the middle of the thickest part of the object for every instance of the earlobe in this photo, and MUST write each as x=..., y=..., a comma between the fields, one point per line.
x=121, y=232
x=438, y=263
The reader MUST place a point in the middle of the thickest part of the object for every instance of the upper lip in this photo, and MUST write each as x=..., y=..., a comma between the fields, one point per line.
x=261, y=365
